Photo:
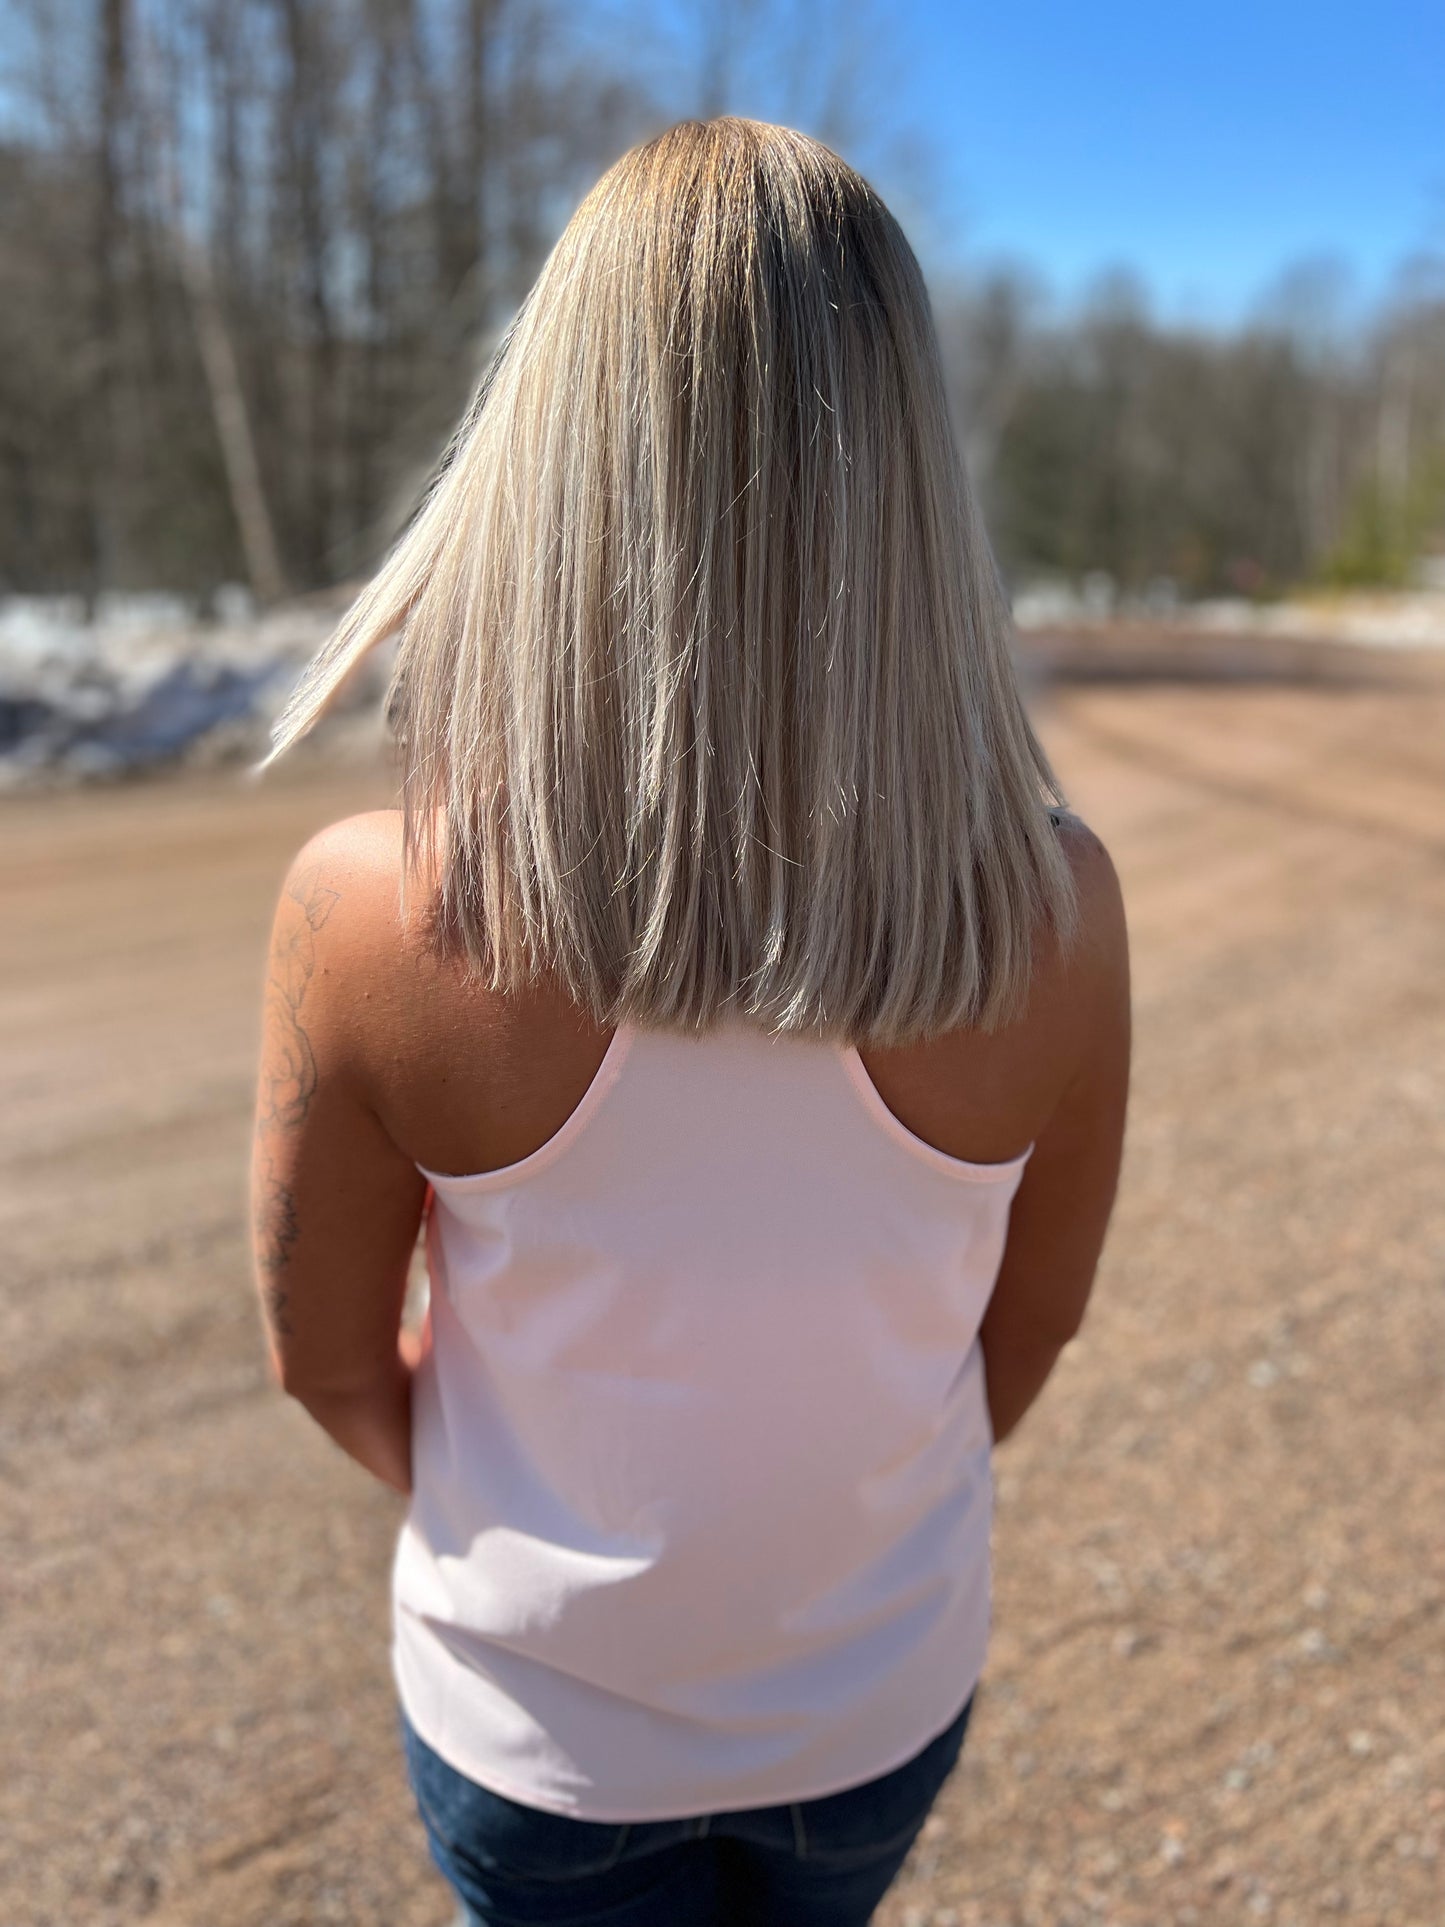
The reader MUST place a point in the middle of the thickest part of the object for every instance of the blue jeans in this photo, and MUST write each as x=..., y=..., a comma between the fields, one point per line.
x=814, y=1863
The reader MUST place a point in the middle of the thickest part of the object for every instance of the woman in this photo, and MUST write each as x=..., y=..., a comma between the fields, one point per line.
x=754, y=1036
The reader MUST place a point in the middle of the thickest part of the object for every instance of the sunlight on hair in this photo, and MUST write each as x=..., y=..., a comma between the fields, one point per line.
x=703, y=685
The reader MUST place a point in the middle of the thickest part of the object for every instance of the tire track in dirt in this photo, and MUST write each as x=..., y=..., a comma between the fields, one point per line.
x=1185, y=763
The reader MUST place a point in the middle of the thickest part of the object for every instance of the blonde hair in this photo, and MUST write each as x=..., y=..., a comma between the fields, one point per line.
x=703, y=676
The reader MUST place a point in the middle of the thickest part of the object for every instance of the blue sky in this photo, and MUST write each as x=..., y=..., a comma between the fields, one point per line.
x=1208, y=147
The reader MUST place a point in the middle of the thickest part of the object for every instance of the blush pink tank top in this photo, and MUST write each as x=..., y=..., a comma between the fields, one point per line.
x=702, y=1492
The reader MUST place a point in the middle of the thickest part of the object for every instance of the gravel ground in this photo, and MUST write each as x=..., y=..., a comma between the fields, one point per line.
x=1217, y=1680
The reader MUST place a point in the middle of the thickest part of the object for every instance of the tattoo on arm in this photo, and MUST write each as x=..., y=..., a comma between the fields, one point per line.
x=276, y=1233
x=291, y=1073
x=289, y=1080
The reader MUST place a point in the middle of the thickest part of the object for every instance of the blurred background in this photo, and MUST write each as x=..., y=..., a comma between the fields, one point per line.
x=1189, y=274
x=1188, y=269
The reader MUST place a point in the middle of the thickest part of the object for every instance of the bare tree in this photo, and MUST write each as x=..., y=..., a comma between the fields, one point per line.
x=253, y=254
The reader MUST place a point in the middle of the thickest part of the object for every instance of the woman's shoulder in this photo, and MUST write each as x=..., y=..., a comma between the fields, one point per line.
x=365, y=850
x=1081, y=843
x=1096, y=880
x=353, y=868
x=366, y=839
x=1092, y=961
x=369, y=956
x=1094, y=969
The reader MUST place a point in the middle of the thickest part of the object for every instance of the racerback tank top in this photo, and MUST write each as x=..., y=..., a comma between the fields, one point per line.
x=701, y=1454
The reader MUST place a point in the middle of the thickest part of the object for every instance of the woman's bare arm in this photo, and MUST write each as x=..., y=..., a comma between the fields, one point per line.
x=1061, y=1211
x=335, y=1206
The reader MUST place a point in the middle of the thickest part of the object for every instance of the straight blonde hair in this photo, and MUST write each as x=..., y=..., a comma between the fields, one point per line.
x=703, y=682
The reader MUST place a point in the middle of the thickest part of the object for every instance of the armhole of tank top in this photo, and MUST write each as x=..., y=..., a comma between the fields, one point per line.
x=961, y=1168
x=603, y=1079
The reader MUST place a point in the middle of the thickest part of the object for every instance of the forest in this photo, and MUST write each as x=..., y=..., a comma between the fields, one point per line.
x=254, y=253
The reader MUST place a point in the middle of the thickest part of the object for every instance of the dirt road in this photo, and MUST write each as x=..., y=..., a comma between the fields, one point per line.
x=1217, y=1689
